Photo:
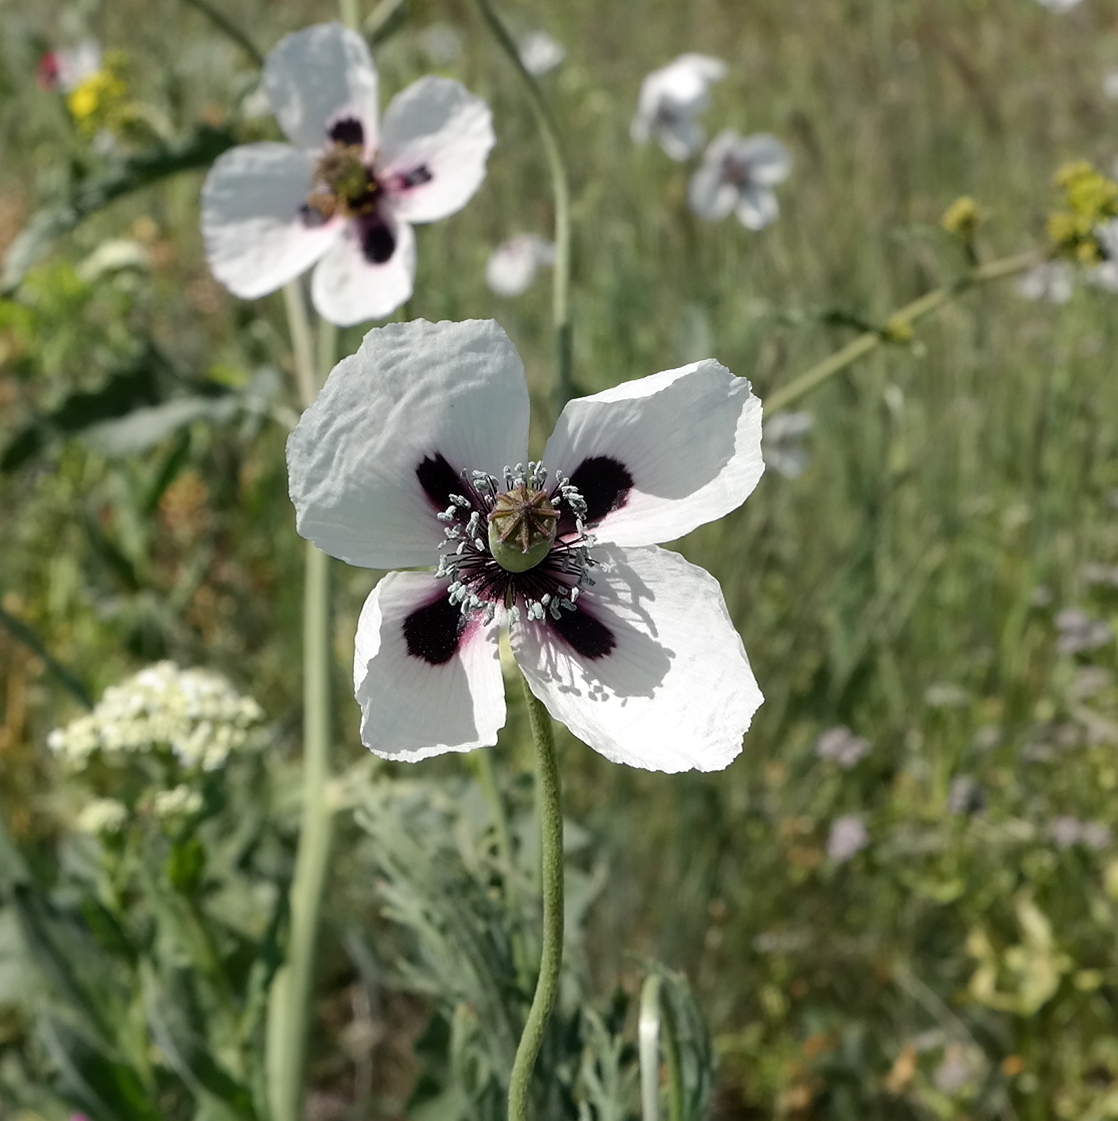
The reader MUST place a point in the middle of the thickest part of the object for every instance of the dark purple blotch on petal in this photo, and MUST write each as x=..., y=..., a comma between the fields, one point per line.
x=583, y=633
x=604, y=484
x=433, y=632
x=378, y=242
x=347, y=130
x=438, y=480
x=406, y=180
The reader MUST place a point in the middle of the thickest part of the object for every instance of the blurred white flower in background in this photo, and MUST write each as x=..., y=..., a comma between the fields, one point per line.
x=102, y=816
x=513, y=264
x=1050, y=280
x=840, y=745
x=540, y=53
x=343, y=196
x=1079, y=632
x=177, y=803
x=847, y=838
x=782, y=443
x=195, y=713
x=671, y=100
x=737, y=176
x=965, y=795
x=1110, y=83
x=1060, y=5
x=1105, y=275
x=66, y=69
x=1067, y=831
x=441, y=43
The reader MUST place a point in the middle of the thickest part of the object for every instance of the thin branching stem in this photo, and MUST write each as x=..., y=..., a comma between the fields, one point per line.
x=228, y=28
x=561, y=189
x=907, y=316
x=550, y=811
x=291, y=1005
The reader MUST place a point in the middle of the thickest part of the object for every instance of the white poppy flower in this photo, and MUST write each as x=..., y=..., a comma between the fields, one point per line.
x=346, y=193
x=403, y=461
x=66, y=69
x=1050, y=280
x=513, y=264
x=671, y=100
x=782, y=444
x=540, y=53
x=737, y=176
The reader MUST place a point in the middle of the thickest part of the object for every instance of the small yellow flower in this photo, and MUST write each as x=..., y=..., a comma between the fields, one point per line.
x=1091, y=199
x=99, y=100
x=963, y=217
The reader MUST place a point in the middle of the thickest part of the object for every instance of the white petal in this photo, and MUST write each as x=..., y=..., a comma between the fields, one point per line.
x=411, y=708
x=675, y=693
x=688, y=439
x=320, y=75
x=435, y=139
x=710, y=196
x=256, y=240
x=412, y=391
x=757, y=208
x=348, y=287
x=768, y=160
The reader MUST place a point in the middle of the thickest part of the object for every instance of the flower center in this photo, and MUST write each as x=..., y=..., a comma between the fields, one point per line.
x=342, y=184
x=522, y=561
x=736, y=171
x=522, y=527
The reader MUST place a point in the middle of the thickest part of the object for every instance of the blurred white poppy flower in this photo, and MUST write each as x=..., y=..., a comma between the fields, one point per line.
x=737, y=176
x=1050, y=280
x=540, y=53
x=1060, y=5
x=346, y=192
x=782, y=443
x=513, y=264
x=1110, y=83
x=671, y=100
x=403, y=461
x=66, y=69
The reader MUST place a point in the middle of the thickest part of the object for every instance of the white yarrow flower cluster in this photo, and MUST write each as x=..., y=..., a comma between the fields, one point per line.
x=196, y=713
x=102, y=816
x=179, y=802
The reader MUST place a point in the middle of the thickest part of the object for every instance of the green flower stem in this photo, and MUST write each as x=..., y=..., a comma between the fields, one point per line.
x=550, y=810
x=225, y=25
x=291, y=1003
x=561, y=189
x=904, y=318
x=350, y=14
x=657, y=1026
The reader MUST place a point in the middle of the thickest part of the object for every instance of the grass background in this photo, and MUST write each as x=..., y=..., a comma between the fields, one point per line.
x=957, y=490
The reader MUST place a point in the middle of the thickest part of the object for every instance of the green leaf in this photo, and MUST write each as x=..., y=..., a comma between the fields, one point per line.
x=108, y=1089
x=179, y=1028
x=25, y=633
x=94, y=192
x=143, y=428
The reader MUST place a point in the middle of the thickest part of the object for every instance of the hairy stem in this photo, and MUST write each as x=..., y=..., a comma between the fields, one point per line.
x=550, y=811
x=561, y=189
x=291, y=1001
x=225, y=25
x=906, y=316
